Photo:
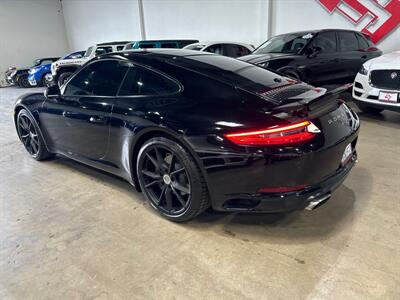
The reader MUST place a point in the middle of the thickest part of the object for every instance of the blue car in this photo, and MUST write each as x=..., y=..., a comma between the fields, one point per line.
x=40, y=74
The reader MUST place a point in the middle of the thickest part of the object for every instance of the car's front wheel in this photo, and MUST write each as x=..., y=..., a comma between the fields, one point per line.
x=30, y=136
x=369, y=109
x=23, y=81
x=63, y=78
x=171, y=180
x=47, y=80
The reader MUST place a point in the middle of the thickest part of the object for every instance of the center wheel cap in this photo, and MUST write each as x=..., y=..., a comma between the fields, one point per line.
x=167, y=179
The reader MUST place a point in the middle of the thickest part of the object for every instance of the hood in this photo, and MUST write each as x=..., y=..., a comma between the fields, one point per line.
x=259, y=58
x=388, y=61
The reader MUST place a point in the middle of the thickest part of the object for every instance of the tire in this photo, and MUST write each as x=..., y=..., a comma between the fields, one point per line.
x=368, y=109
x=30, y=135
x=23, y=81
x=63, y=78
x=45, y=83
x=171, y=180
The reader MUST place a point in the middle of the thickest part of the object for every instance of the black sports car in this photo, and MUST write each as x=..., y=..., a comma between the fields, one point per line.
x=194, y=129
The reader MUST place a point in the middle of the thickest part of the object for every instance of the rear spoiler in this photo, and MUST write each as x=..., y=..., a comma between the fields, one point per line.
x=314, y=107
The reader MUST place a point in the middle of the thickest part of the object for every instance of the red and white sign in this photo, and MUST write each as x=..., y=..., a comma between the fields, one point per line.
x=357, y=11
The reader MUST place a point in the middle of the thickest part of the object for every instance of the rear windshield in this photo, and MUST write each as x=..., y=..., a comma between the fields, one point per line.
x=232, y=71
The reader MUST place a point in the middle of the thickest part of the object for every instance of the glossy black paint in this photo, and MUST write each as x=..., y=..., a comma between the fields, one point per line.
x=339, y=67
x=213, y=98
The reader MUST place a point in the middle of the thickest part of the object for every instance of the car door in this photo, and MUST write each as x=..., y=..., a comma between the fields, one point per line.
x=322, y=62
x=351, y=55
x=77, y=122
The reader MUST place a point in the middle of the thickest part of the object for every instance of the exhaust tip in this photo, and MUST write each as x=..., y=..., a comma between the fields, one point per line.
x=317, y=201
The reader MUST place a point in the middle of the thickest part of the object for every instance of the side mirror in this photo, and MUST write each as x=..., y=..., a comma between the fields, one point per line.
x=52, y=92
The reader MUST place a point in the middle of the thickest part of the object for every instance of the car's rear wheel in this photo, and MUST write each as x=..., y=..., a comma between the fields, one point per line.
x=63, y=78
x=171, y=180
x=30, y=136
x=369, y=109
x=23, y=81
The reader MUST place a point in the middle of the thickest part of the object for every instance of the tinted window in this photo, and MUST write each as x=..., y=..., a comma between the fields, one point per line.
x=233, y=50
x=119, y=48
x=217, y=49
x=348, y=41
x=103, y=50
x=326, y=41
x=101, y=78
x=287, y=43
x=169, y=45
x=46, y=62
x=140, y=81
x=145, y=46
x=362, y=42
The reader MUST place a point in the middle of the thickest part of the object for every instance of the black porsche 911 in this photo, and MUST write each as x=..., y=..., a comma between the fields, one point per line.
x=193, y=130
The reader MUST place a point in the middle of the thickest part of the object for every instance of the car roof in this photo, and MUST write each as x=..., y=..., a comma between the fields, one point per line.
x=209, y=43
x=113, y=43
x=314, y=31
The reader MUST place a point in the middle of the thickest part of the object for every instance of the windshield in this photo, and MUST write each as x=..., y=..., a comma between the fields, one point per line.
x=287, y=43
x=88, y=52
x=36, y=63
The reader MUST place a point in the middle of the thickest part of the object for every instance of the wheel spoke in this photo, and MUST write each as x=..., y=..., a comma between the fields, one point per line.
x=158, y=201
x=151, y=174
x=24, y=124
x=171, y=163
x=34, y=146
x=180, y=199
x=160, y=159
x=168, y=198
x=153, y=161
x=182, y=188
x=153, y=183
x=24, y=136
x=176, y=171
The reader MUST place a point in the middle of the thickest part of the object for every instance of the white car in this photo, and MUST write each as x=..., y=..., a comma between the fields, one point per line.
x=61, y=70
x=231, y=49
x=377, y=84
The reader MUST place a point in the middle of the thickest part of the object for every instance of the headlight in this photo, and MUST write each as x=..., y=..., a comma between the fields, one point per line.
x=363, y=71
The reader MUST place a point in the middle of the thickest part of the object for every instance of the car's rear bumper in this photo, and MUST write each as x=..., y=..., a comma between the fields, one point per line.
x=310, y=196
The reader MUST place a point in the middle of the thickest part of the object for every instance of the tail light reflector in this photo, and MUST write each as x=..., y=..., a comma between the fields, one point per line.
x=283, y=189
x=276, y=135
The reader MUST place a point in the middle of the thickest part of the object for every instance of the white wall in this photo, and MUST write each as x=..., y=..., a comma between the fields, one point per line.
x=207, y=20
x=90, y=22
x=30, y=30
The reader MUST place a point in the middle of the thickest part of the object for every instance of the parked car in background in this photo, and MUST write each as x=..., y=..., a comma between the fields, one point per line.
x=8, y=75
x=62, y=69
x=20, y=76
x=377, y=84
x=41, y=75
x=231, y=49
x=158, y=44
x=317, y=57
x=259, y=142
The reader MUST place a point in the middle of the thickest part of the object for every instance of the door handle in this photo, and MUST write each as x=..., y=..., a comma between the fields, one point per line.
x=97, y=119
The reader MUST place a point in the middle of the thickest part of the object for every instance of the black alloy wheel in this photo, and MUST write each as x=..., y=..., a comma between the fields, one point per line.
x=45, y=82
x=23, y=81
x=171, y=180
x=30, y=136
x=63, y=78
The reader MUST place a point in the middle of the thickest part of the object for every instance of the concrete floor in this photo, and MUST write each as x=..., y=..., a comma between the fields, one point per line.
x=70, y=232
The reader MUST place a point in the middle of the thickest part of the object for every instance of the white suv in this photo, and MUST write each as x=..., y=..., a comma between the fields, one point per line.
x=61, y=70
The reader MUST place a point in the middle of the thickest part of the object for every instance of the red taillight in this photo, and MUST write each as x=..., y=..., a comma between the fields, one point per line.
x=276, y=135
x=283, y=189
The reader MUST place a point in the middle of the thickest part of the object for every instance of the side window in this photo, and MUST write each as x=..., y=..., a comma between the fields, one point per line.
x=119, y=48
x=362, y=42
x=147, y=45
x=326, y=41
x=101, y=78
x=169, y=45
x=46, y=62
x=348, y=41
x=140, y=81
x=217, y=49
x=103, y=50
x=233, y=50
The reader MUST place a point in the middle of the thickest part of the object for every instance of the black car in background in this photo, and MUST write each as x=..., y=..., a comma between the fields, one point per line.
x=192, y=129
x=20, y=76
x=330, y=56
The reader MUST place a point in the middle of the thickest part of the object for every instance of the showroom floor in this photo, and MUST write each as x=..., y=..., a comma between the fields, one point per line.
x=70, y=232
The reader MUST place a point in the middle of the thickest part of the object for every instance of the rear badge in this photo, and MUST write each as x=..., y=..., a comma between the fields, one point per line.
x=393, y=75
